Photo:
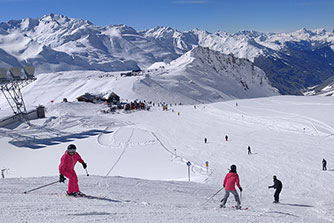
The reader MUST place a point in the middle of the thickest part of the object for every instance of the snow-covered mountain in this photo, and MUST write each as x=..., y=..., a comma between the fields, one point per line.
x=281, y=55
x=58, y=43
x=204, y=75
x=324, y=89
x=200, y=75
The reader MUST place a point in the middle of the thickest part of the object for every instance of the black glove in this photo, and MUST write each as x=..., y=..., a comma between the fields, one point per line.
x=240, y=188
x=62, y=178
x=84, y=165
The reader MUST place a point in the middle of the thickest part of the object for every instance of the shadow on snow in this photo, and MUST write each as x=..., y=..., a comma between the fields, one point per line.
x=283, y=213
x=90, y=213
x=101, y=198
x=39, y=143
x=298, y=205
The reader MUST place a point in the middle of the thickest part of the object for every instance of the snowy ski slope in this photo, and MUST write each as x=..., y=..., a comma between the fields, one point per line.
x=288, y=135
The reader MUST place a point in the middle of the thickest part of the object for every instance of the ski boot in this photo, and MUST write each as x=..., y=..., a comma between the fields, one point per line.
x=73, y=194
x=76, y=194
x=80, y=194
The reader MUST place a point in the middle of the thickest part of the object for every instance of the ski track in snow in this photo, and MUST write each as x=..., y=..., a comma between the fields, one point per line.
x=150, y=201
x=280, y=146
x=104, y=139
x=124, y=149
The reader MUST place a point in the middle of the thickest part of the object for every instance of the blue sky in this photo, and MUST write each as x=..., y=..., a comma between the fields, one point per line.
x=211, y=15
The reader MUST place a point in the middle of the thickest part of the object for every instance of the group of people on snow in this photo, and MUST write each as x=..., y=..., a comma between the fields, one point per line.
x=232, y=178
x=71, y=157
x=226, y=138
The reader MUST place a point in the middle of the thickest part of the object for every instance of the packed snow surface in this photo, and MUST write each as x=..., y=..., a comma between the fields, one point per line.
x=137, y=160
x=289, y=136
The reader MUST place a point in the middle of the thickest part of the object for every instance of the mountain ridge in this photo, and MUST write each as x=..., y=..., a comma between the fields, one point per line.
x=57, y=43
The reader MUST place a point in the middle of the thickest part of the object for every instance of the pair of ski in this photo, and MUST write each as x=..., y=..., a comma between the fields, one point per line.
x=235, y=207
x=239, y=208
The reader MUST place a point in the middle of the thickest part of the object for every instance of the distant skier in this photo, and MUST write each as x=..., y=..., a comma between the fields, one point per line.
x=278, y=186
x=226, y=138
x=66, y=168
x=324, y=164
x=230, y=180
x=205, y=140
x=3, y=172
x=249, y=150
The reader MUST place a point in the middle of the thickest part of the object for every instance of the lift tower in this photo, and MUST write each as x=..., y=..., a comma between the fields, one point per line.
x=11, y=84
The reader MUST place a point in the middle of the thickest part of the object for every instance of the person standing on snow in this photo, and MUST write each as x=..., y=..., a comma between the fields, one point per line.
x=226, y=138
x=278, y=186
x=249, y=150
x=324, y=164
x=66, y=169
x=230, y=180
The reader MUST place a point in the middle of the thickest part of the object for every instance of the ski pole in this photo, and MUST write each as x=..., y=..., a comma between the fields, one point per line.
x=41, y=187
x=87, y=172
x=216, y=193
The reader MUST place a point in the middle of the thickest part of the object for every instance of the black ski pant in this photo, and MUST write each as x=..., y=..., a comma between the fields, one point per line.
x=276, y=195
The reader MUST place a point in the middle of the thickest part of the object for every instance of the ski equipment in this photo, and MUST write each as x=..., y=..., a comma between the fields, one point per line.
x=37, y=188
x=216, y=193
x=71, y=148
x=239, y=208
x=62, y=178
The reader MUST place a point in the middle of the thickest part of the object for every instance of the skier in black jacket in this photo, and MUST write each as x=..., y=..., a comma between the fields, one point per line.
x=278, y=186
x=324, y=164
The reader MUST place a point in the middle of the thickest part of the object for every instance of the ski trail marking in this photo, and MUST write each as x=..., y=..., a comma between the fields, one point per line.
x=121, y=155
x=194, y=168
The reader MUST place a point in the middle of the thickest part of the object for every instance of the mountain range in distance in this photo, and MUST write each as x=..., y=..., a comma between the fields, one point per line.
x=291, y=62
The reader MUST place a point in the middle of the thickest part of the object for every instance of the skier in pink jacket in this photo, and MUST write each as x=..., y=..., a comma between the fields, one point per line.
x=230, y=180
x=66, y=168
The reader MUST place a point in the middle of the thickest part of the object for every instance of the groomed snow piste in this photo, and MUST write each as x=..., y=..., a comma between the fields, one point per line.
x=289, y=137
x=137, y=161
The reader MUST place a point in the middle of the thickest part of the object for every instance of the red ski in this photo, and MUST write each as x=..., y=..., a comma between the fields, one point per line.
x=241, y=208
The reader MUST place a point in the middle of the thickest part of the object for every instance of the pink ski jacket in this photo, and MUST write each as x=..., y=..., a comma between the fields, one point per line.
x=68, y=162
x=230, y=180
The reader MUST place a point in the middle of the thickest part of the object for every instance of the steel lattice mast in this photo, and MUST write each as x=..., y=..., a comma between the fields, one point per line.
x=11, y=89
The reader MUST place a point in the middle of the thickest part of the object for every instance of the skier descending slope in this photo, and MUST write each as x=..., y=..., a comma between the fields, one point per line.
x=230, y=180
x=66, y=168
x=278, y=186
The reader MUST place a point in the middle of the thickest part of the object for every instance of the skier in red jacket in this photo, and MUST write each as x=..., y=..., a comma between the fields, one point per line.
x=230, y=180
x=66, y=168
